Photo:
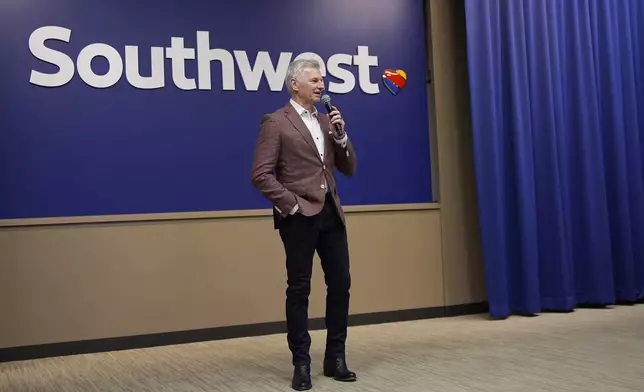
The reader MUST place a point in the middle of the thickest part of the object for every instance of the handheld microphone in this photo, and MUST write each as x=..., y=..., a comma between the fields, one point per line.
x=326, y=100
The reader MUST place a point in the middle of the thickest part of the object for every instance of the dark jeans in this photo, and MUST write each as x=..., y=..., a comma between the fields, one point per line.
x=302, y=236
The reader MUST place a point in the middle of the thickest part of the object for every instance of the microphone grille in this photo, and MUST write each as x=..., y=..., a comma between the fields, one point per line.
x=325, y=99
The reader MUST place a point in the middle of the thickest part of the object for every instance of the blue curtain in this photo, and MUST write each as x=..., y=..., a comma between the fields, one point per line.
x=557, y=99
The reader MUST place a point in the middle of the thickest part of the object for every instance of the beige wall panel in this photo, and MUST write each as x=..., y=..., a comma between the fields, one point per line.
x=65, y=283
x=464, y=279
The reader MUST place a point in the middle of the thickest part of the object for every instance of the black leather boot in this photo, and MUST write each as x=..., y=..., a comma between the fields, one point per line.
x=301, y=378
x=337, y=368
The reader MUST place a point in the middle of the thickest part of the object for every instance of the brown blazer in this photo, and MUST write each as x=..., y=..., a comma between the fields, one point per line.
x=287, y=168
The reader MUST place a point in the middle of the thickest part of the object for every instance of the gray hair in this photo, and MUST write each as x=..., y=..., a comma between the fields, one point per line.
x=295, y=69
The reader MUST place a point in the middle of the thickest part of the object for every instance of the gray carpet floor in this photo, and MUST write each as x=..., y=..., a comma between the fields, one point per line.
x=586, y=351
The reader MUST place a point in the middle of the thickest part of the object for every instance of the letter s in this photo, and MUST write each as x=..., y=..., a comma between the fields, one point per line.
x=41, y=52
x=347, y=78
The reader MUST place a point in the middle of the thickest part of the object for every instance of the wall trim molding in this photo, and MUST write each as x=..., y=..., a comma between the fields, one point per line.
x=24, y=353
x=121, y=218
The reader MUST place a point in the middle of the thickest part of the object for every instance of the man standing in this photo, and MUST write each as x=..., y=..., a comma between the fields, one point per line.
x=297, y=150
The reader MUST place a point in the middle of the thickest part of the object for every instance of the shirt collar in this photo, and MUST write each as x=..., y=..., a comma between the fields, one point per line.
x=301, y=111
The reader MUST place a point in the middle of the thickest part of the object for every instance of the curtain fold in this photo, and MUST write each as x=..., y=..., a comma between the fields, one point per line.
x=557, y=98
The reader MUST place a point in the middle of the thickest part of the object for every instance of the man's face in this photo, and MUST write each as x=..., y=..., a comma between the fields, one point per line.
x=309, y=86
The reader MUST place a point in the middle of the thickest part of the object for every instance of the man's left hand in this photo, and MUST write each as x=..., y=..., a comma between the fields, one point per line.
x=336, y=118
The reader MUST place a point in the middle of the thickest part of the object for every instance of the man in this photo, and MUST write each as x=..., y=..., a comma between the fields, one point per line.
x=297, y=150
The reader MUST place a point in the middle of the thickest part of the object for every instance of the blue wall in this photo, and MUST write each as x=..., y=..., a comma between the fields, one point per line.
x=73, y=143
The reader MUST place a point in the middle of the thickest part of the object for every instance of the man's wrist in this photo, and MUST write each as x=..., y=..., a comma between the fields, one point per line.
x=341, y=139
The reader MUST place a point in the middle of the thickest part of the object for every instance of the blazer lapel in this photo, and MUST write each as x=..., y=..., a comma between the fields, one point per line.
x=325, y=125
x=298, y=123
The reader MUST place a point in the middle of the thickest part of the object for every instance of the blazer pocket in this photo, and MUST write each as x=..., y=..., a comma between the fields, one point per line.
x=296, y=141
